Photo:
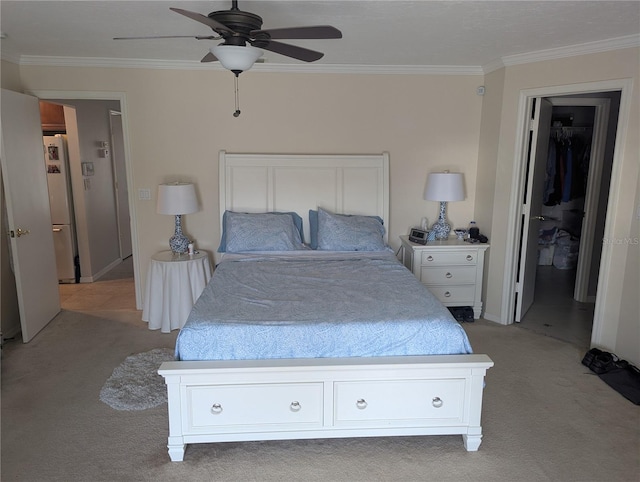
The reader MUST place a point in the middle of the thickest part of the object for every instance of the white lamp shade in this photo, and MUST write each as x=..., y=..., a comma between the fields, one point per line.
x=444, y=186
x=177, y=198
x=235, y=57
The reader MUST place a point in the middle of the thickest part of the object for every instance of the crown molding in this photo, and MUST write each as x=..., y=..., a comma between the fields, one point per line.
x=259, y=67
x=493, y=65
x=46, y=61
x=15, y=59
x=629, y=41
x=373, y=69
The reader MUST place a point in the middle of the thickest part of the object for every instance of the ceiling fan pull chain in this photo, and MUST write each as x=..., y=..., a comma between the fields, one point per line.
x=235, y=82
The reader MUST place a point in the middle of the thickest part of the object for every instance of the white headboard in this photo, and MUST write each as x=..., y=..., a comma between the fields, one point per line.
x=340, y=183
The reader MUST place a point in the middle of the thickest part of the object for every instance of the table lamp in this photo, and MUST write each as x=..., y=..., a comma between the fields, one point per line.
x=177, y=198
x=443, y=186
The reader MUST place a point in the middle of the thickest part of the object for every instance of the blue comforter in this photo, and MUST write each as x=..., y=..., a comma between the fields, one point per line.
x=316, y=305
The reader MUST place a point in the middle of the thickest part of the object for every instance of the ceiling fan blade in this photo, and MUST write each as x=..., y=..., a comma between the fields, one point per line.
x=313, y=32
x=209, y=58
x=197, y=37
x=198, y=17
x=288, y=50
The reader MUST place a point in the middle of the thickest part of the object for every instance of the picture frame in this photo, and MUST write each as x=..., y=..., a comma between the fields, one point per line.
x=87, y=169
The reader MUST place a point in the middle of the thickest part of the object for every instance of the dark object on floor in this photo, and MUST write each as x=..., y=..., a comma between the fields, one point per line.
x=599, y=361
x=462, y=313
x=619, y=374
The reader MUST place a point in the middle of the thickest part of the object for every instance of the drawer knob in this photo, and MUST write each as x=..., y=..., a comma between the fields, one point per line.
x=437, y=402
x=216, y=408
x=449, y=275
x=469, y=257
x=295, y=406
x=361, y=404
x=447, y=294
x=429, y=258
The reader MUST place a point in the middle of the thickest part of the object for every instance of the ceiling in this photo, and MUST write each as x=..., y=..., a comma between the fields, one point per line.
x=392, y=34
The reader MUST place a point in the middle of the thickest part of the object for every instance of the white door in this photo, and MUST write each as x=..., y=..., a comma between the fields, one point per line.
x=27, y=201
x=120, y=178
x=532, y=206
x=587, y=259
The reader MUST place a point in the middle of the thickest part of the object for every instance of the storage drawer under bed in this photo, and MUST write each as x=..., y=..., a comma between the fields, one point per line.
x=399, y=402
x=249, y=406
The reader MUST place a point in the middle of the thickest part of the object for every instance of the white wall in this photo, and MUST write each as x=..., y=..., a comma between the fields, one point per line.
x=487, y=155
x=178, y=121
x=10, y=76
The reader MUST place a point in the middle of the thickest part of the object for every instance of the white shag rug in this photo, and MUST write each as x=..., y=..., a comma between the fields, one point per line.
x=135, y=384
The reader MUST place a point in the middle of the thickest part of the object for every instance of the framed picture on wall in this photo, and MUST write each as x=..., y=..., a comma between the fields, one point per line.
x=53, y=153
x=87, y=169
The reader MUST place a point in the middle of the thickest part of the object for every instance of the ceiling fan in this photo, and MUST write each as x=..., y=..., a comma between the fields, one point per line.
x=243, y=37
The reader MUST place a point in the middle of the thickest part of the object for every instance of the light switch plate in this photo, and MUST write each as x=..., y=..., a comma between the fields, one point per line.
x=144, y=194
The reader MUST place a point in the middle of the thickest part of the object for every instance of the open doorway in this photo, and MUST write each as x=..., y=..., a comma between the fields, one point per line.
x=89, y=136
x=572, y=211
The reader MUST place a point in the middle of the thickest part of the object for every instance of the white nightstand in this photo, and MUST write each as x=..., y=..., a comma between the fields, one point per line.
x=174, y=283
x=451, y=269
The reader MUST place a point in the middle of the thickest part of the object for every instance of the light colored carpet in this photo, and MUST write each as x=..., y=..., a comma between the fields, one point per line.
x=545, y=418
x=135, y=384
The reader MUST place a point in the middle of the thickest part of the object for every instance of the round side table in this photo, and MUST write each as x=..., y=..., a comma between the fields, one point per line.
x=174, y=283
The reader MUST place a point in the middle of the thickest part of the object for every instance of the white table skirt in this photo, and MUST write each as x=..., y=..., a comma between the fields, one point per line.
x=174, y=283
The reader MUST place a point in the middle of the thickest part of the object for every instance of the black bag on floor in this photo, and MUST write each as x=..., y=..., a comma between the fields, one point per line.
x=619, y=374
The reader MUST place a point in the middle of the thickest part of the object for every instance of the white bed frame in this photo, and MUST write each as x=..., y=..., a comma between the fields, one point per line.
x=224, y=401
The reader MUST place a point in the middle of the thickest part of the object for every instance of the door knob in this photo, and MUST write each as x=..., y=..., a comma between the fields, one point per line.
x=22, y=232
x=539, y=218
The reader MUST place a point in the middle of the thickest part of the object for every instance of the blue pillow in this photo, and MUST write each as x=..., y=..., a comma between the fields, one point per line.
x=338, y=232
x=313, y=226
x=297, y=220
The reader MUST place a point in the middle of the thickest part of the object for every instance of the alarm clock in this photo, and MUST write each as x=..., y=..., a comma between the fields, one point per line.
x=418, y=236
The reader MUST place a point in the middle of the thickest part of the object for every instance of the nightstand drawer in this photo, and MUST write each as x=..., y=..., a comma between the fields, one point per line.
x=453, y=294
x=434, y=257
x=446, y=275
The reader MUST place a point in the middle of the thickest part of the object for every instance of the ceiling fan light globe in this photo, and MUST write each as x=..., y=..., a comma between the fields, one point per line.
x=236, y=58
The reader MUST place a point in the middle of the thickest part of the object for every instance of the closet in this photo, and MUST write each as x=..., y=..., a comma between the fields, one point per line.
x=567, y=172
x=578, y=168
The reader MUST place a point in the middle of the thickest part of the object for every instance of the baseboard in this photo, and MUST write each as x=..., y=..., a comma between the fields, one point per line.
x=102, y=272
x=11, y=333
x=494, y=318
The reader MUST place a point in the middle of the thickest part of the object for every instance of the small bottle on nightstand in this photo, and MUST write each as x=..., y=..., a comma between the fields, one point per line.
x=474, y=231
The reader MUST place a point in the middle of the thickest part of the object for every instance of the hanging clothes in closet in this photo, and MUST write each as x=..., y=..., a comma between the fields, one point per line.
x=567, y=166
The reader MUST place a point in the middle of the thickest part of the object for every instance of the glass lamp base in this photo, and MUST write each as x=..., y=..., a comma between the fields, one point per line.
x=441, y=229
x=179, y=243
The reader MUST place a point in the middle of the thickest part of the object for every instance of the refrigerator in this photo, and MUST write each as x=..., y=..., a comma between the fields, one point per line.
x=60, y=201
